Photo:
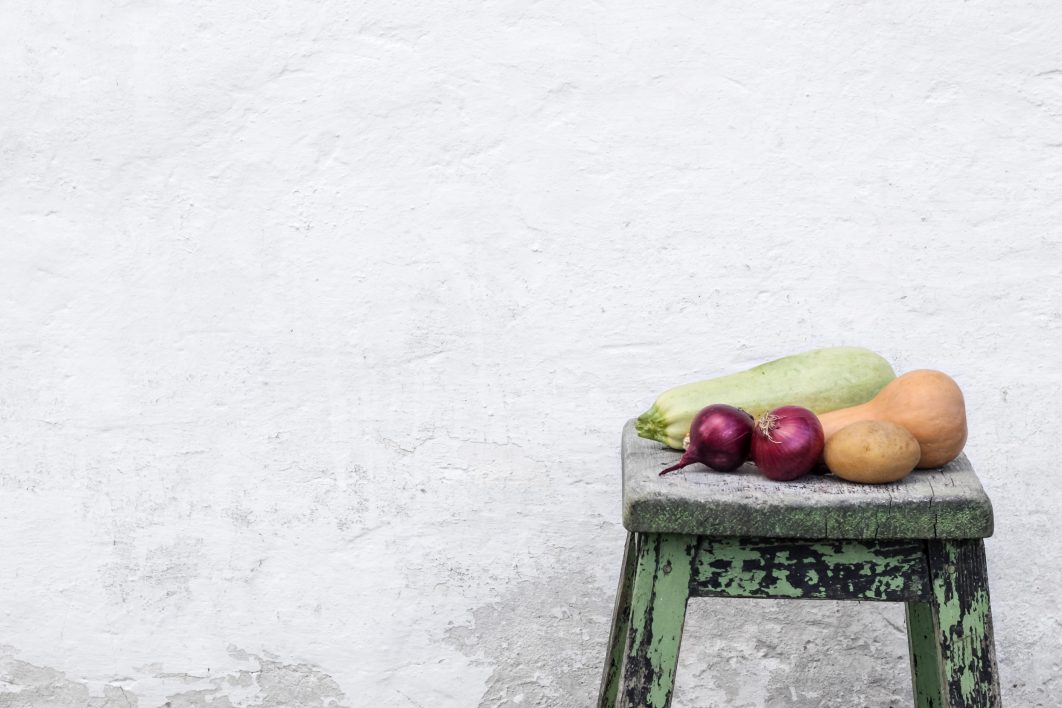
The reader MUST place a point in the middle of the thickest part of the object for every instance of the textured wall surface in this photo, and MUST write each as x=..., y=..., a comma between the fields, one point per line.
x=321, y=321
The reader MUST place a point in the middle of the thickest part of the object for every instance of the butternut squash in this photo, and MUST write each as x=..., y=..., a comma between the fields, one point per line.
x=929, y=404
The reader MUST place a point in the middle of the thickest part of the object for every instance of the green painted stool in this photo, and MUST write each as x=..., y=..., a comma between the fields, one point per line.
x=708, y=534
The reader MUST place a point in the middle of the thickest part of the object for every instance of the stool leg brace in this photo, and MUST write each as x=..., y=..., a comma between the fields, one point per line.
x=943, y=583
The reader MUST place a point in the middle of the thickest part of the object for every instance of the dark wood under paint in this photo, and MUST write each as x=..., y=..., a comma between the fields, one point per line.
x=962, y=620
x=889, y=571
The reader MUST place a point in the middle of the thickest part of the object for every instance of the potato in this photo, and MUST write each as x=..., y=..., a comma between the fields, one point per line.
x=872, y=452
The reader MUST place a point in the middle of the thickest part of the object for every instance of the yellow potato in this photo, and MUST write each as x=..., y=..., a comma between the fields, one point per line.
x=872, y=452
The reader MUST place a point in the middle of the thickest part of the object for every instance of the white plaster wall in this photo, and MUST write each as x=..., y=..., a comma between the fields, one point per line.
x=320, y=322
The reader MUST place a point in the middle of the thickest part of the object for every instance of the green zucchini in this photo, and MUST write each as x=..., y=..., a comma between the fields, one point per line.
x=821, y=380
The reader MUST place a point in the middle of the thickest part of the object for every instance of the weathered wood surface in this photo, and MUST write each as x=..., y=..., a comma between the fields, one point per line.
x=891, y=571
x=924, y=654
x=943, y=582
x=658, y=611
x=943, y=503
x=617, y=637
x=962, y=618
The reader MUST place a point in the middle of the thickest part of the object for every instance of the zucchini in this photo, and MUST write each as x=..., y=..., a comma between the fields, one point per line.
x=822, y=380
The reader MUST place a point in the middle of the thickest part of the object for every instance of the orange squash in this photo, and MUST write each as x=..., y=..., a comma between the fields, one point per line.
x=927, y=403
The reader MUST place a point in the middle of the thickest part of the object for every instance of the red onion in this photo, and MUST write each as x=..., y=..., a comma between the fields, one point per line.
x=720, y=436
x=787, y=443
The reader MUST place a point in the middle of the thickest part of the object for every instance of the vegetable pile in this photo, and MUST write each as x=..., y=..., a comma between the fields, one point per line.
x=843, y=408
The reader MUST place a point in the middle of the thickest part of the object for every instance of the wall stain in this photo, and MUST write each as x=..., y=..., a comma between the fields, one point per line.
x=40, y=687
x=159, y=576
x=545, y=637
x=267, y=682
x=793, y=654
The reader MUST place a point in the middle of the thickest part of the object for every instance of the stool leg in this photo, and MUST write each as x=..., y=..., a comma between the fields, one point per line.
x=924, y=656
x=658, y=611
x=962, y=618
x=617, y=637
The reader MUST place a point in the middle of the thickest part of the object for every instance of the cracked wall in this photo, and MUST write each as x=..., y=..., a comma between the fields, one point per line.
x=321, y=322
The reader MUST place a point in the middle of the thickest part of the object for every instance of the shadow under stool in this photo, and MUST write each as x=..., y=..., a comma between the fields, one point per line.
x=697, y=533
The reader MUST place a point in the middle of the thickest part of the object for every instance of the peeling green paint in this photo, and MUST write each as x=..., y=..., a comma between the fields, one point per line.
x=869, y=570
x=924, y=655
x=964, y=623
x=610, y=678
x=658, y=612
x=944, y=584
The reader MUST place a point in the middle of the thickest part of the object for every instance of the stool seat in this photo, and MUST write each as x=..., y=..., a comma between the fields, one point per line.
x=944, y=503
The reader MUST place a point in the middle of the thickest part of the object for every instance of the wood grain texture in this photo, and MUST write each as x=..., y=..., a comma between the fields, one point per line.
x=943, y=503
x=658, y=612
x=892, y=571
x=962, y=617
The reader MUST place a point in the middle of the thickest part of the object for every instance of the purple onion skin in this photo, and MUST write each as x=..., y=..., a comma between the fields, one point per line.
x=720, y=438
x=787, y=443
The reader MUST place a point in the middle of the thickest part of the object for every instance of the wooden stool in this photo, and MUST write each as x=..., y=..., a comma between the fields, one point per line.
x=698, y=533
